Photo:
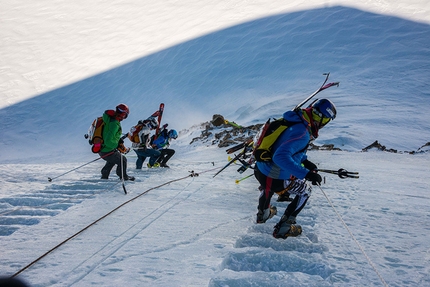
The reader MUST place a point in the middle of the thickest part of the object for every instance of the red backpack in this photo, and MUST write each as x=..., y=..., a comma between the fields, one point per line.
x=95, y=134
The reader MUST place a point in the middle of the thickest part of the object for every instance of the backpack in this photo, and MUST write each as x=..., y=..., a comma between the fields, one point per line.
x=95, y=134
x=156, y=138
x=133, y=135
x=267, y=136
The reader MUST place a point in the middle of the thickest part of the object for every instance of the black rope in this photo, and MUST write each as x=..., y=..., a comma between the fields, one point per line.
x=192, y=174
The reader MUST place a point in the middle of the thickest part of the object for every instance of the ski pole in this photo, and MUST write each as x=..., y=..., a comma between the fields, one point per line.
x=342, y=173
x=52, y=178
x=243, y=178
x=122, y=173
x=242, y=153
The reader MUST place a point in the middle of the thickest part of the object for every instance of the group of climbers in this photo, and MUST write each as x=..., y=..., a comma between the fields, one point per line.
x=145, y=143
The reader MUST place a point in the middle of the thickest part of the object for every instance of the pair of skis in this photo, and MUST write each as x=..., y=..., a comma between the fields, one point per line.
x=247, y=147
x=159, y=115
x=320, y=89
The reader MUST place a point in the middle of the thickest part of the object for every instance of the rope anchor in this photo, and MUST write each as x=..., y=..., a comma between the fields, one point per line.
x=193, y=174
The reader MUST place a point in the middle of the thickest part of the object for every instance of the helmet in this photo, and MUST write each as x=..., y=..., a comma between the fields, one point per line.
x=152, y=122
x=173, y=134
x=323, y=111
x=122, y=110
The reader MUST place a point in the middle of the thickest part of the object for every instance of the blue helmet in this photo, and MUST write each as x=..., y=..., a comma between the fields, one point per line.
x=324, y=110
x=173, y=134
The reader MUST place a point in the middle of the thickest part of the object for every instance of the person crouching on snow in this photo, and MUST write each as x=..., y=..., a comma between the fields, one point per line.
x=143, y=148
x=162, y=143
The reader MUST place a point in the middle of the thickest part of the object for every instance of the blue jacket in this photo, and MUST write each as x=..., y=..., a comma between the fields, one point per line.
x=162, y=141
x=289, y=150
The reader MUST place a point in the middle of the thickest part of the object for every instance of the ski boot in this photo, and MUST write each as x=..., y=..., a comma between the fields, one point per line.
x=287, y=227
x=264, y=215
x=155, y=165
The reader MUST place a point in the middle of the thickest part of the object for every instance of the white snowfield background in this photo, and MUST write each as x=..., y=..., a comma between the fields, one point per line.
x=63, y=64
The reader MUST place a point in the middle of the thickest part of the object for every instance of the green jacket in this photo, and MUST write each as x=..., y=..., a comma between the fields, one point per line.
x=111, y=132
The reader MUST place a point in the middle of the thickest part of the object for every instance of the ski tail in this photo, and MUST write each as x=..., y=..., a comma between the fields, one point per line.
x=322, y=88
x=238, y=146
x=159, y=115
x=246, y=149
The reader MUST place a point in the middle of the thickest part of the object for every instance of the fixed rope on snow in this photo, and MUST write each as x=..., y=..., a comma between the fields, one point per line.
x=353, y=238
x=192, y=174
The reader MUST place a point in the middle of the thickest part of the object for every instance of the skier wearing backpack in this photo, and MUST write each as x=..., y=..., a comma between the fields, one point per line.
x=162, y=143
x=142, y=146
x=113, y=144
x=289, y=167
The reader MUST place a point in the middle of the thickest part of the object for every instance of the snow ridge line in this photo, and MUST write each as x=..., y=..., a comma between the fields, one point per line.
x=192, y=174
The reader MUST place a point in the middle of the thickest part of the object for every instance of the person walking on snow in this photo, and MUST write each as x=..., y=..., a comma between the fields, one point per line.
x=162, y=143
x=289, y=168
x=143, y=148
x=113, y=144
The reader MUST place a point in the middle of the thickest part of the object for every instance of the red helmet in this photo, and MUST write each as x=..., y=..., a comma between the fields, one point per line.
x=122, y=110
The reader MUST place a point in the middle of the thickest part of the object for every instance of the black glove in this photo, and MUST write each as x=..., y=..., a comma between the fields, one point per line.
x=314, y=177
x=309, y=165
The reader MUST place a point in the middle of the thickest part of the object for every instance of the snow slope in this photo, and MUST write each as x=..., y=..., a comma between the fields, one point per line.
x=248, y=72
x=64, y=63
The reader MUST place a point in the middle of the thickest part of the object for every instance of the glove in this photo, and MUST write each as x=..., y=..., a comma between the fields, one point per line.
x=309, y=165
x=314, y=177
x=122, y=149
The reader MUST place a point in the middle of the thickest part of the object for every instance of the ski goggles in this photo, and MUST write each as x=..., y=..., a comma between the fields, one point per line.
x=318, y=117
x=123, y=115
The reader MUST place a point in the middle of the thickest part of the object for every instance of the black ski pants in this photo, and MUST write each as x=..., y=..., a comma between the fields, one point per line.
x=165, y=155
x=270, y=185
x=112, y=159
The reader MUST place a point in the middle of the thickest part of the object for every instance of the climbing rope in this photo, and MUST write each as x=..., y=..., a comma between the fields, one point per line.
x=355, y=240
x=192, y=174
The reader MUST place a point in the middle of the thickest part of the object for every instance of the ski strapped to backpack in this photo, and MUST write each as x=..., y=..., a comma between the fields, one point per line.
x=159, y=114
x=95, y=135
x=133, y=135
x=322, y=88
x=271, y=131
